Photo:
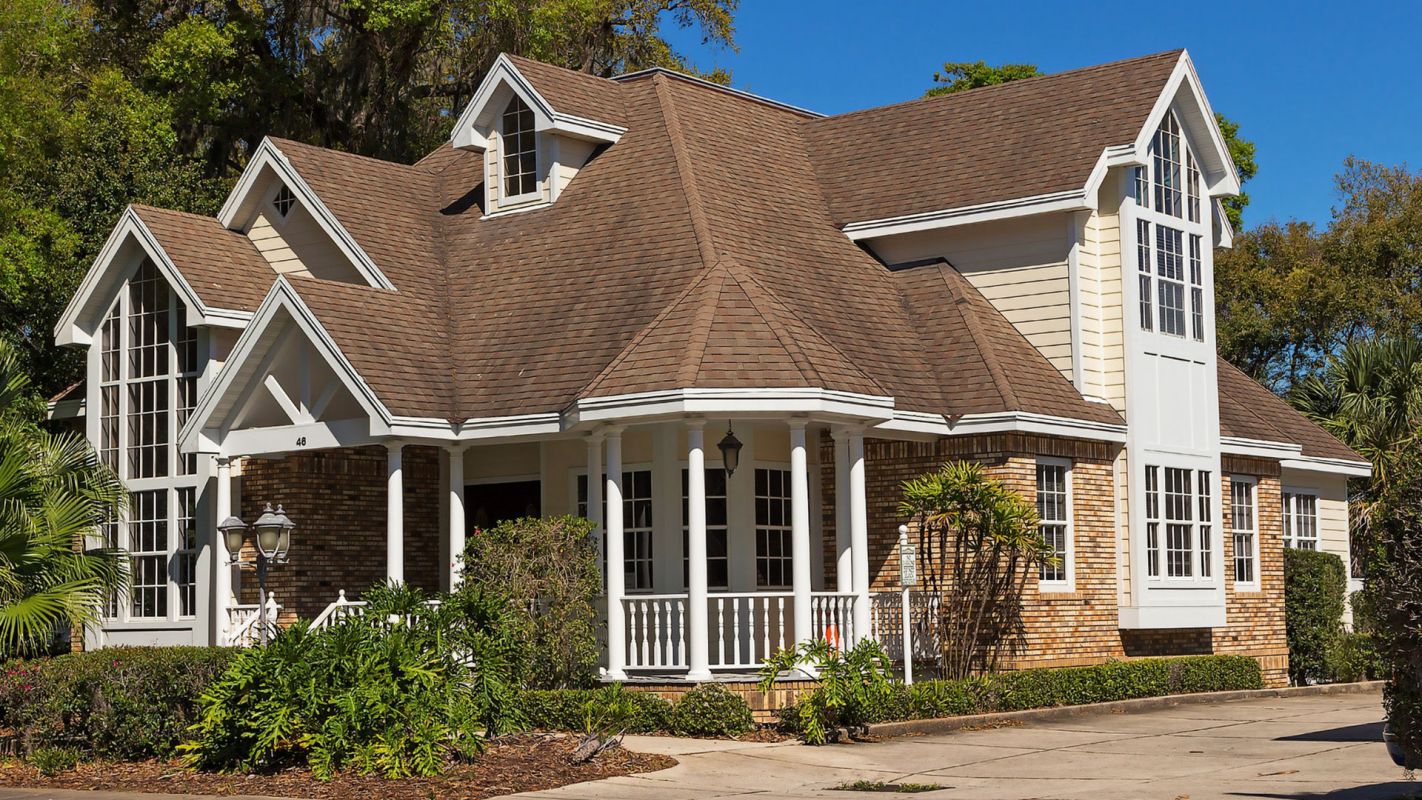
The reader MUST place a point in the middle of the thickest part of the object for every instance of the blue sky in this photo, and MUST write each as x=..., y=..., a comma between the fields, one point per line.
x=1311, y=83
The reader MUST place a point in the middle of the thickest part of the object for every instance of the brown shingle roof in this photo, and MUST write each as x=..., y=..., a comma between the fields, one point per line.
x=575, y=93
x=221, y=265
x=1250, y=411
x=1020, y=139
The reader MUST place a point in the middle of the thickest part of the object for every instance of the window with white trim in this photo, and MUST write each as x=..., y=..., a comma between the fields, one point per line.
x=1179, y=506
x=148, y=551
x=1054, y=515
x=1146, y=270
x=1167, y=163
x=1243, y=523
x=1179, y=532
x=1170, y=279
x=1300, y=520
x=1197, y=289
x=284, y=201
x=774, y=548
x=718, y=566
x=185, y=556
x=1169, y=203
x=1152, y=504
x=520, y=150
x=1207, y=527
x=1192, y=187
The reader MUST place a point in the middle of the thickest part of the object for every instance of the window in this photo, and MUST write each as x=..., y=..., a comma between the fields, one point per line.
x=1207, y=528
x=1170, y=266
x=1152, y=502
x=148, y=548
x=1197, y=290
x=520, y=152
x=1144, y=267
x=1192, y=187
x=774, y=549
x=1167, y=167
x=109, y=536
x=1242, y=528
x=1180, y=504
x=1140, y=186
x=185, y=558
x=1300, y=520
x=284, y=201
x=637, y=530
x=718, y=573
x=1054, y=511
x=148, y=350
x=1179, y=533
x=109, y=391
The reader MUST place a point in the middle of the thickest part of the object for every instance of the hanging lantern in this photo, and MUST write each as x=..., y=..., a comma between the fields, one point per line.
x=730, y=448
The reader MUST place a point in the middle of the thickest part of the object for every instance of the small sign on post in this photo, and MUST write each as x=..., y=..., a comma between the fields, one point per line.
x=908, y=577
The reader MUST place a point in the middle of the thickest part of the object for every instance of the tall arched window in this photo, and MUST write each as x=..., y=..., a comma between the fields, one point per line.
x=520, y=151
x=1170, y=237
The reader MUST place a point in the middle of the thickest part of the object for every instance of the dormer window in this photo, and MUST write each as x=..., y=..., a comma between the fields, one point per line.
x=284, y=201
x=1171, y=226
x=520, y=156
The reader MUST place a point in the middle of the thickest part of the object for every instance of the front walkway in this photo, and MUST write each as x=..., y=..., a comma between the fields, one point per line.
x=1297, y=747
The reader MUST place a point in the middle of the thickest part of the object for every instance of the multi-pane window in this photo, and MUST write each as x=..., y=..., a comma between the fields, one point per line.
x=149, y=301
x=1143, y=266
x=1207, y=528
x=1300, y=520
x=1192, y=187
x=1152, y=504
x=520, y=151
x=637, y=530
x=148, y=549
x=1197, y=289
x=185, y=348
x=1053, y=510
x=1179, y=532
x=1167, y=167
x=1180, y=505
x=185, y=558
x=1242, y=528
x=773, y=545
x=109, y=374
x=718, y=573
x=1170, y=267
x=284, y=200
x=1140, y=186
x=109, y=537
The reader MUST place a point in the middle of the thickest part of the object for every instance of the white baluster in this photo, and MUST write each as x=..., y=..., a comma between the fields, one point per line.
x=720, y=631
x=681, y=606
x=736, y=629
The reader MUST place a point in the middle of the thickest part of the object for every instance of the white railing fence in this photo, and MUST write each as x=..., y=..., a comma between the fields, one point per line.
x=832, y=618
x=887, y=621
x=656, y=630
x=244, y=624
x=748, y=627
x=341, y=609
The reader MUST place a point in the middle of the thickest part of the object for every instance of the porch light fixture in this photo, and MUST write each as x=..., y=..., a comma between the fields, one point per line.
x=272, y=536
x=730, y=448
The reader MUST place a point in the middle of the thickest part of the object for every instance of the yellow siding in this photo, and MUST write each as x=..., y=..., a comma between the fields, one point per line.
x=1103, y=346
x=298, y=245
x=274, y=248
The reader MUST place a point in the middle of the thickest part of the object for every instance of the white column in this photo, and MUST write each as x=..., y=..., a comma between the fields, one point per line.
x=616, y=564
x=800, y=532
x=394, y=514
x=844, y=564
x=859, y=533
x=456, y=515
x=221, y=573
x=698, y=655
x=595, y=493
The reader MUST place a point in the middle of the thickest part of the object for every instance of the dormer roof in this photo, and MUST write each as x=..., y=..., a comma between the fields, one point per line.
x=563, y=101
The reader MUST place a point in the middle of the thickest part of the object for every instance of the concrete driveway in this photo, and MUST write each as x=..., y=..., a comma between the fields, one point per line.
x=1295, y=747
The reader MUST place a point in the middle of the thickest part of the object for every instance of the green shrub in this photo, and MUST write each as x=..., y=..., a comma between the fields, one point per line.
x=710, y=710
x=853, y=687
x=568, y=709
x=1354, y=657
x=1045, y=688
x=118, y=703
x=51, y=761
x=401, y=690
x=1315, y=584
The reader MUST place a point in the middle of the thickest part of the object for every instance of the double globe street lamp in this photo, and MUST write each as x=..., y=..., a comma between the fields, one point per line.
x=272, y=538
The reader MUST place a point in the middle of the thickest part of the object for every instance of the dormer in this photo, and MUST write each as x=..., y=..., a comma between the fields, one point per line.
x=536, y=126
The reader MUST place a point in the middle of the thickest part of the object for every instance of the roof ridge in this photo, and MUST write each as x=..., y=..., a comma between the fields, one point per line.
x=981, y=345
x=1016, y=85
x=551, y=65
x=653, y=72
x=278, y=141
x=702, y=321
x=802, y=362
x=700, y=225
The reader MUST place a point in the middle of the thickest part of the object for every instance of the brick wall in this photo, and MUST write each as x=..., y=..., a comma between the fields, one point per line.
x=337, y=500
x=1256, y=618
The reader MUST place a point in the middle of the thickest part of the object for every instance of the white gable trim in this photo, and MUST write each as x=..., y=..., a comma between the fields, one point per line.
x=197, y=435
x=546, y=118
x=1004, y=422
x=71, y=330
x=1221, y=180
x=268, y=155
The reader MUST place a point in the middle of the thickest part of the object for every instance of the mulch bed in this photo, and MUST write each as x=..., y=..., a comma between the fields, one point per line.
x=507, y=766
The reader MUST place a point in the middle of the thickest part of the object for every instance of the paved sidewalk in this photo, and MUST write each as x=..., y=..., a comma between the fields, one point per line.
x=1290, y=747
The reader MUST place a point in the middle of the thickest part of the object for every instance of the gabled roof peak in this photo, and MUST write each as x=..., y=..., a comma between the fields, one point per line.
x=652, y=72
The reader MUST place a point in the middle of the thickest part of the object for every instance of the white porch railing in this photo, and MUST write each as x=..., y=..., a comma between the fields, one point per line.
x=343, y=609
x=886, y=618
x=656, y=631
x=244, y=623
x=748, y=627
x=832, y=618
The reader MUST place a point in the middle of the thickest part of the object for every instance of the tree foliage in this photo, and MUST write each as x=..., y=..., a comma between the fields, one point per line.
x=978, y=543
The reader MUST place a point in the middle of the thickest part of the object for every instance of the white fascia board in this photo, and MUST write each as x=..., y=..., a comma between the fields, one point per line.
x=268, y=155
x=283, y=439
x=465, y=134
x=1332, y=466
x=194, y=436
x=69, y=331
x=1258, y=448
x=1071, y=200
x=673, y=402
x=1224, y=181
x=1004, y=422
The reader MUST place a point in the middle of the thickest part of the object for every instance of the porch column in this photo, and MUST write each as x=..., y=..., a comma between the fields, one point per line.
x=800, y=532
x=616, y=564
x=456, y=515
x=222, y=573
x=594, y=511
x=394, y=514
x=844, y=564
x=859, y=534
x=698, y=655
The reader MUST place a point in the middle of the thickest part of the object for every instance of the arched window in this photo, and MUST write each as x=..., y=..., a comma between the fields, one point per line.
x=1170, y=237
x=520, y=152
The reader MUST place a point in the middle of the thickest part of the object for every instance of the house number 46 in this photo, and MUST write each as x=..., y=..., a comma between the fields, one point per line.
x=301, y=441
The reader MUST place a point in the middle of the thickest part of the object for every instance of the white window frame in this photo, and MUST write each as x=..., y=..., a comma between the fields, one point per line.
x=683, y=472
x=1289, y=512
x=1068, y=566
x=1153, y=225
x=788, y=560
x=274, y=200
x=502, y=165
x=1251, y=485
x=1202, y=524
x=629, y=526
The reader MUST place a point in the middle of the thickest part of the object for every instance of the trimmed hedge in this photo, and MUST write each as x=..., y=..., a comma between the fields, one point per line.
x=1315, y=585
x=709, y=710
x=119, y=703
x=1045, y=688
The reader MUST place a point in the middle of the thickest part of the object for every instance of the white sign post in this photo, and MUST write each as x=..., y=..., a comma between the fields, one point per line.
x=908, y=577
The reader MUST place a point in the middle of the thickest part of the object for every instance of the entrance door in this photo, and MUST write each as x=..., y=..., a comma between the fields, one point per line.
x=488, y=504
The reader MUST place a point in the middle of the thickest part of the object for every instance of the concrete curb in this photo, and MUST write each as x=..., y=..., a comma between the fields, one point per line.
x=949, y=724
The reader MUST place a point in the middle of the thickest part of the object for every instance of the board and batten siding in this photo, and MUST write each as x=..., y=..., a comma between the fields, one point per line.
x=1020, y=266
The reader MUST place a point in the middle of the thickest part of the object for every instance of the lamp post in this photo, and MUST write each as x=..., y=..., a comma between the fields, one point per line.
x=272, y=537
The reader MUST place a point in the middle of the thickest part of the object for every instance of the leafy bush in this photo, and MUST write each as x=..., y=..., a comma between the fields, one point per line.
x=853, y=686
x=1315, y=584
x=710, y=710
x=1045, y=688
x=549, y=570
x=118, y=703
x=400, y=690
x=51, y=761
x=1354, y=657
x=570, y=709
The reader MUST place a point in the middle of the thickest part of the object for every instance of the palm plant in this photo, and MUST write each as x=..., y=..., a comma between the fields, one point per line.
x=53, y=495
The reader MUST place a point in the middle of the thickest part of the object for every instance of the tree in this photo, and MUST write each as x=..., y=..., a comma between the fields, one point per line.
x=978, y=542
x=53, y=494
x=960, y=76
